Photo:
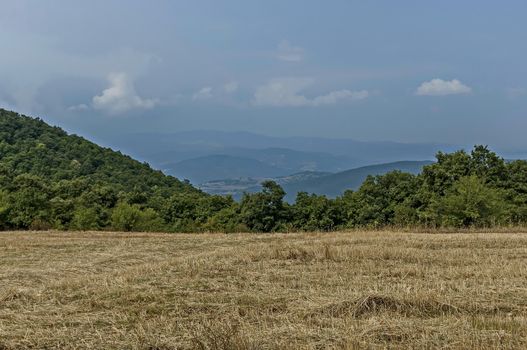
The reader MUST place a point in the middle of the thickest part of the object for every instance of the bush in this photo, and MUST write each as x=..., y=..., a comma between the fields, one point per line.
x=226, y=220
x=85, y=219
x=127, y=217
x=264, y=211
x=471, y=203
x=40, y=225
x=4, y=210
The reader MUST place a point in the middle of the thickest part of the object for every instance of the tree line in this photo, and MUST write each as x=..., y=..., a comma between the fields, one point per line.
x=51, y=180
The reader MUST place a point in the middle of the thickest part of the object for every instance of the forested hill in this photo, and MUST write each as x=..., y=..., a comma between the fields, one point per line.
x=30, y=146
x=49, y=179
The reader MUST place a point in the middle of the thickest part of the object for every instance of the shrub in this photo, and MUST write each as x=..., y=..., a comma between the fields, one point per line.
x=85, y=219
x=130, y=217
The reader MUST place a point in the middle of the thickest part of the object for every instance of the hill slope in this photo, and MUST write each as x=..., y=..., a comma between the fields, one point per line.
x=335, y=184
x=30, y=146
x=216, y=167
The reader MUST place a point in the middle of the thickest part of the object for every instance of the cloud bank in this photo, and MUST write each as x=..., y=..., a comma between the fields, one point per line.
x=289, y=53
x=231, y=87
x=203, y=94
x=79, y=108
x=285, y=92
x=440, y=87
x=121, y=96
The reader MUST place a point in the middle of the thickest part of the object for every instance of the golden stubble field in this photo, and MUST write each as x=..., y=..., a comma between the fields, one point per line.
x=272, y=291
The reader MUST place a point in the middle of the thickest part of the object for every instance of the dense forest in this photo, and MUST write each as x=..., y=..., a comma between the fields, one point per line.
x=52, y=180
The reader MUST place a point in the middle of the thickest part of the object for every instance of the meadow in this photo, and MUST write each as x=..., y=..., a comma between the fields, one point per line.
x=355, y=290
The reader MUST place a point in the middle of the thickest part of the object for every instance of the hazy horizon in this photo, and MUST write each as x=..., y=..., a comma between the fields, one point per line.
x=446, y=73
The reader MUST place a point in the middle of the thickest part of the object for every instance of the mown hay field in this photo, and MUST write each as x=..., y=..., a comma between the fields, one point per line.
x=271, y=291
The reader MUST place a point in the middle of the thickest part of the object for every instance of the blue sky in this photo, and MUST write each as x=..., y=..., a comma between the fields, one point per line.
x=411, y=71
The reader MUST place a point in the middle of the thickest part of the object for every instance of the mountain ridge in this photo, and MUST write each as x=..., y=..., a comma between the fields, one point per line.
x=320, y=183
x=190, y=144
x=333, y=185
x=219, y=166
x=30, y=146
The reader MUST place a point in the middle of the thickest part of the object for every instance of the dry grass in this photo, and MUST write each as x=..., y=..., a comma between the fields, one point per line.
x=296, y=291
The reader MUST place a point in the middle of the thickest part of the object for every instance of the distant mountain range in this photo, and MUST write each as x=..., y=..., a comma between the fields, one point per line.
x=236, y=187
x=202, y=156
x=175, y=147
x=215, y=167
x=329, y=184
x=261, y=163
x=333, y=185
x=233, y=162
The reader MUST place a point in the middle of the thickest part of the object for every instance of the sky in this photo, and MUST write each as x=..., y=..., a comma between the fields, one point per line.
x=409, y=71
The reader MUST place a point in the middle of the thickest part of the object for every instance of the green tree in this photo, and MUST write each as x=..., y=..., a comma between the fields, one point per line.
x=264, y=211
x=374, y=203
x=131, y=217
x=180, y=212
x=488, y=166
x=125, y=217
x=29, y=201
x=470, y=202
x=4, y=210
x=449, y=168
x=62, y=212
x=86, y=219
x=315, y=213
x=226, y=220
x=515, y=188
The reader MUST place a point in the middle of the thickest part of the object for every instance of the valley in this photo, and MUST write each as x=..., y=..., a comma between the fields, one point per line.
x=320, y=183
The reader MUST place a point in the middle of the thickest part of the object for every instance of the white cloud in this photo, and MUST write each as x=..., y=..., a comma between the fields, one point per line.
x=231, y=87
x=334, y=96
x=285, y=92
x=440, y=87
x=23, y=75
x=203, y=94
x=289, y=53
x=78, y=108
x=282, y=92
x=121, y=96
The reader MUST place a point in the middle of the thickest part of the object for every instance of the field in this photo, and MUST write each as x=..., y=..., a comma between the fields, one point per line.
x=292, y=291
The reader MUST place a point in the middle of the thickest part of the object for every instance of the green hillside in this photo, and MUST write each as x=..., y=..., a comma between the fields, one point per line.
x=30, y=146
x=51, y=179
